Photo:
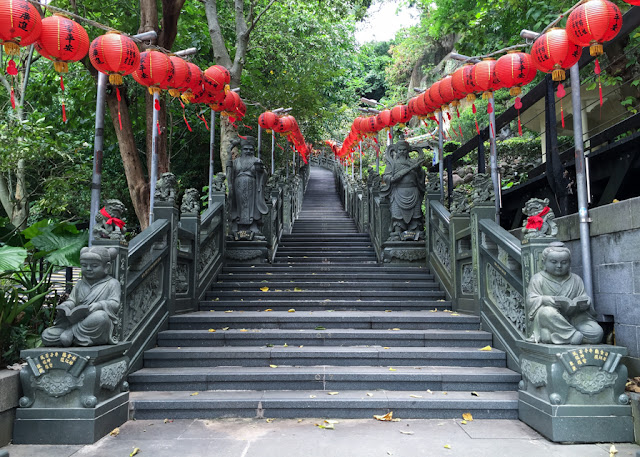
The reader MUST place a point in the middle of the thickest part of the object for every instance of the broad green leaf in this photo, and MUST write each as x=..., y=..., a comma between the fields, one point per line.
x=11, y=258
x=61, y=249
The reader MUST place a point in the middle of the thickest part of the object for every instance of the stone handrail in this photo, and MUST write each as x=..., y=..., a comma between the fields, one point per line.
x=439, y=245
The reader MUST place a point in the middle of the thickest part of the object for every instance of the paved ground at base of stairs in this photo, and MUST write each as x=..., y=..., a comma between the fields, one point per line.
x=303, y=438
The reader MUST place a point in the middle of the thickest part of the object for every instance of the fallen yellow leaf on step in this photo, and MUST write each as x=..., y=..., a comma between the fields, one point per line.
x=229, y=311
x=463, y=422
x=267, y=310
x=244, y=330
x=292, y=310
x=195, y=393
x=395, y=329
x=486, y=348
x=264, y=289
x=369, y=394
x=268, y=421
x=455, y=314
x=273, y=366
x=467, y=416
x=447, y=446
x=135, y=451
x=612, y=451
x=225, y=328
x=312, y=396
x=333, y=393
x=415, y=396
x=212, y=330
x=386, y=417
x=115, y=432
x=392, y=369
x=269, y=274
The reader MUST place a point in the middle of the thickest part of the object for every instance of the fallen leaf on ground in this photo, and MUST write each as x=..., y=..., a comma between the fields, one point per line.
x=463, y=422
x=229, y=311
x=212, y=330
x=406, y=433
x=320, y=328
x=474, y=394
x=273, y=366
x=244, y=330
x=486, y=348
x=429, y=392
x=369, y=394
x=269, y=274
x=455, y=314
x=415, y=396
x=225, y=328
x=312, y=396
x=267, y=310
x=331, y=422
x=115, y=432
x=168, y=421
x=434, y=310
x=268, y=421
x=195, y=393
x=285, y=345
x=135, y=451
x=447, y=446
x=467, y=416
x=292, y=310
x=388, y=311
x=333, y=393
x=264, y=289
x=444, y=393
x=217, y=299
x=327, y=427
x=386, y=417
x=612, y=451
x=297, y=289
x=392, y=369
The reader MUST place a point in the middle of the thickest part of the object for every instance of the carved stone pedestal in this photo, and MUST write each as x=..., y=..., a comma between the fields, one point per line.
x=404, y=252
x=72, y=395
x=249, y=252
x=575, y=393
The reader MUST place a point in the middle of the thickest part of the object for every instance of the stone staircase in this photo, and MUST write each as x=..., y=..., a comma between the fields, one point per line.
x=325, y=331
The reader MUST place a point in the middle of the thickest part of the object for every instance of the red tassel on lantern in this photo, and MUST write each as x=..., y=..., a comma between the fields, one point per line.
x=518, y=105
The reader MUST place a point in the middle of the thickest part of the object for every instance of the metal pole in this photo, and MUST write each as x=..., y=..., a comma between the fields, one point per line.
x=441, y=156
x=212, y=152
x=273, y=152
x=377, y=155
x=259, y=141
x=293, y=160
x=360, y=161
x=98, y=148
x=154, y=156
x=581, y=181
x=493, y=156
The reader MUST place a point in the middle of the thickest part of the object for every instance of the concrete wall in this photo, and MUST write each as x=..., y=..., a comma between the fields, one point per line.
x=9, y=395
x=615, y=255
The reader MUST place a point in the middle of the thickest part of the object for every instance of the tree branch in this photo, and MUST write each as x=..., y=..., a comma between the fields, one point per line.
x=259, y=16
x=220, y=53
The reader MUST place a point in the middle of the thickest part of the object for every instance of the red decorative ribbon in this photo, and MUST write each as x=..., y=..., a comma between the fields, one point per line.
x=119, y=98
x=536, y=222
x=202, y=118
x=184, y=116
x=112, y=220
x=475, y=116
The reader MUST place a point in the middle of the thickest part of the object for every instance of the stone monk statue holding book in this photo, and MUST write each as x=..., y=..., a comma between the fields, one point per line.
x=88, y=317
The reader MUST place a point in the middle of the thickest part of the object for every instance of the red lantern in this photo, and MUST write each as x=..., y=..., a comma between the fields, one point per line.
x=231, y=101
x=62, y=40
x=483, y=77
x=194, y=84
x=267, y=120
x=384, y=118
x=448, y=93
x=284, y=124
x=462, y=81
x=181, y=78
x=593, y=23
x=154, y=69
x=514, y=70
x=20, y=25
x=423, y=105
x=115, y=55
x=219, y=76
x=553, y=52
x=434, y=95
x=400, y=114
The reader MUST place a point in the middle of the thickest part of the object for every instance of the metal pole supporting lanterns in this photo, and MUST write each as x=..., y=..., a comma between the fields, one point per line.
x=273, y=152
x=98, y=141
x=360, y=151
x=212, y=152
x=441, y=156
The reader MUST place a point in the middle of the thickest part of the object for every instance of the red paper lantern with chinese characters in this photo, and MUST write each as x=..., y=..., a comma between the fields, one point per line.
x=219, y=76
x=155, y=68
x=231, y=101
x=285, y=124
x=425, y=105
x=483, y=77
x=177, y=81
x=267, y=120
x=462, y=81
x=449, y=93
x=514, y=70
x=384, y=118
x=195, y=83
x=400, y=114
x=553, y=52
x=593, y=23
x=115, y=55
x=62, y=40
x=434, y=95
x=20, y=25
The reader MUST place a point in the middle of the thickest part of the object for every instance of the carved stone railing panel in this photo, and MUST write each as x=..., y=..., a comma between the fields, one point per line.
x=506, y=298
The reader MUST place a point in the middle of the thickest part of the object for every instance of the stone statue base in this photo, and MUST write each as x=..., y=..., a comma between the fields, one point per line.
x=248, y=252
x=575, y=393
x=404, y=252
x=72, y=395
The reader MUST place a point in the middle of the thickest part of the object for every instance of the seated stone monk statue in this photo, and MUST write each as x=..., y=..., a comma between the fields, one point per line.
x=557, y=304
x=88, y=317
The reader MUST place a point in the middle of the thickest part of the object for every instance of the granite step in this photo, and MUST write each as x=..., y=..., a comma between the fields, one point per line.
x=329, y=258
x=204, y=320
x=335, y=283
x=292, y=291
x=391, y=337
x=285, y=304
x=357, y=404
x=302, y=275
x=325, y=378
x=263, y=356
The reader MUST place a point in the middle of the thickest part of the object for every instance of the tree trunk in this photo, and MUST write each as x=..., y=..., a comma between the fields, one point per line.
x=136, y=180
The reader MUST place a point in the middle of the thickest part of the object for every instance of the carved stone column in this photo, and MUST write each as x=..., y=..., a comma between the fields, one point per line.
x=479, y=211
x=167, y=210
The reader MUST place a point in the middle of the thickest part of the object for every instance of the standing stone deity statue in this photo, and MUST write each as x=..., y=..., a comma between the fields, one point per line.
x=109, y=223
x=540, y=221
x=403, y=182
x=247, y=177
x=557, y=305
x=88, y=317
